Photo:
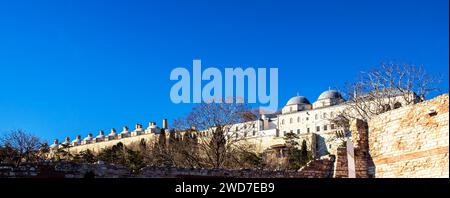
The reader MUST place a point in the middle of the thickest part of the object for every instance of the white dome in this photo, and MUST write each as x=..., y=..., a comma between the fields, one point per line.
x=297, y=100
x=330, y=94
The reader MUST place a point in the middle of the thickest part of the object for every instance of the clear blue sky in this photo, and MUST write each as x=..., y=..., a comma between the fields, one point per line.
x=73, y=67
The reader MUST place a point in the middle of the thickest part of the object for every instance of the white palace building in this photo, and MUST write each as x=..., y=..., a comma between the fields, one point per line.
x=311, y=122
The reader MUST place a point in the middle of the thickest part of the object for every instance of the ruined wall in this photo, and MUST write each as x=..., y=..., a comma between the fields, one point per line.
x=359, y=140
x=411, y=141
x=317, y=168
x=341, y=163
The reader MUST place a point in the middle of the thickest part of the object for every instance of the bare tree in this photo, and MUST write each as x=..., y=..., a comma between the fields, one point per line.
x=214, y=130
x=387, y=87
x=25, y=145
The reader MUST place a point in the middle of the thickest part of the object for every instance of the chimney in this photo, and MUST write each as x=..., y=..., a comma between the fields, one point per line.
x=101, y=132
x=113, y=131
x=55, y=144
x=67, y=139
x=76, y=141
x=164, y=124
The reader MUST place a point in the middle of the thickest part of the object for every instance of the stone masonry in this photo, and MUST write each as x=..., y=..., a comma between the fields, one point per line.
x=412, y=141
x=318, y=168
x=359, y=139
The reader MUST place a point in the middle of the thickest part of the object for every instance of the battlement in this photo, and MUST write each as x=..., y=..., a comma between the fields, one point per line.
x=113, y=137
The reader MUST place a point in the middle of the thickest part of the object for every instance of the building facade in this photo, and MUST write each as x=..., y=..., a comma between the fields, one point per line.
x=312, y=122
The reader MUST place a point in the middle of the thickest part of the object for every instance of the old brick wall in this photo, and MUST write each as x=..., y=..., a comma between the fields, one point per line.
x=411, y=141
x=318, y=168
x=362, y=159
x=341, y=163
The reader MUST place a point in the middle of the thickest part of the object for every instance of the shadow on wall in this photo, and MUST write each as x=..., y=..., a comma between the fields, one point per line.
x=370, y=167
x=321, y=146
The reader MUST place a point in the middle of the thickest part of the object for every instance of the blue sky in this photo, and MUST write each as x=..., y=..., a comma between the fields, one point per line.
x=74, y=67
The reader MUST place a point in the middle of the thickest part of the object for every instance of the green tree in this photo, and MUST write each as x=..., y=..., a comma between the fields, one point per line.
x=120, y=154
x=85, y=157
x=296, y=158
x=134, y=159
x=305, y=155
x=251, y=160
x=62, y=153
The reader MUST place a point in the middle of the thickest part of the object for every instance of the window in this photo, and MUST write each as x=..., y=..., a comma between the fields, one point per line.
x=324, y=115
x=284, y=133
x=307, y=130
x=277, y=134
x=290, y=120
x=282, y=121
x=237, y=128
x=307, y=118
x=290, y=109
x=332, y=126
x=298, y=131
x=237, y=135
x=317, y=128
x=254, y=133
x=316, y=116
x=325, y=127
x=292, y=131
x=245, y=134
x=298, y=119
x=331, y=114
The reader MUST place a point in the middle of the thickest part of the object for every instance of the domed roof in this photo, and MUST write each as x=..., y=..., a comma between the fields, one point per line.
x=330, y=94
x=297, y=100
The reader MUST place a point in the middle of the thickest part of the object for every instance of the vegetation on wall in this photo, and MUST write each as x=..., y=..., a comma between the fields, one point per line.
x=297, y=156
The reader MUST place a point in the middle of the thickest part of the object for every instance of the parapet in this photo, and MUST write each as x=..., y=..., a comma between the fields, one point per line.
x=113, y=135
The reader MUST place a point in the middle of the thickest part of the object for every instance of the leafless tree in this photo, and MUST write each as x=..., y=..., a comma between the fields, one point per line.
x=215, y=130
x=387, y=87
x=25, y=145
